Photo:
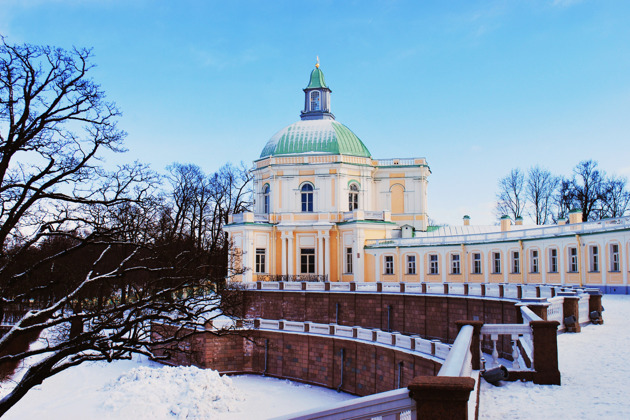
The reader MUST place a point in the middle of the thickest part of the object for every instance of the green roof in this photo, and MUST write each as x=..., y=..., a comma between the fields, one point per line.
x=317, y=80
x=315, y=136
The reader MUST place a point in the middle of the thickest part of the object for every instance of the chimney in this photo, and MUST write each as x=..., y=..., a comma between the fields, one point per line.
x=562, y=221
x=506, y=223
x=519, y=221
x=466, y=220
x=575, y=216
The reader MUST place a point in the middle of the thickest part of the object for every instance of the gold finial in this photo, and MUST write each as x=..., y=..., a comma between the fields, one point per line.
x=317, y=65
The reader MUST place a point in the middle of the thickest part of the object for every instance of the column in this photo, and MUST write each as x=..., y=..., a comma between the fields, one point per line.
x=327, y=255
x=248, y=255
x=290, y=254
x=359, y=259
x=320, y=253
x=284, y=253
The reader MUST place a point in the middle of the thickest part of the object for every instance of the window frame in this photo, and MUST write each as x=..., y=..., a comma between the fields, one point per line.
x=410, y=260
x=515, y=259
x=534, y=265
x=593, y=258
x=434, y=267
x=315, y=100
x=261, y=261
x=496, y=263
x=476, y=263
x=553, y=260
x=572, y=253
x=388, y=265
x=307, y=191
x=307, y=260
x=353, y=197
x=266, y=202
x=349, y=255
x=456, y=264
x=614, y=258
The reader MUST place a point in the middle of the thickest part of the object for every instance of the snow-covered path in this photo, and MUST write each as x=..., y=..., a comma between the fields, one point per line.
x=595, y=369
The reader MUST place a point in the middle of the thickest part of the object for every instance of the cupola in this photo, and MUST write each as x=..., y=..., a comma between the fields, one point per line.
x=317, y=97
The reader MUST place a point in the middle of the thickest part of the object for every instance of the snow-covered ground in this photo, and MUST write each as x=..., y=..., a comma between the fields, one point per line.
x=141, y=389
x=595, y=370
x=594, y=365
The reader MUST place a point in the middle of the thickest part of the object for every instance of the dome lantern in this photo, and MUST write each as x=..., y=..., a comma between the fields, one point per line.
x=317, y=97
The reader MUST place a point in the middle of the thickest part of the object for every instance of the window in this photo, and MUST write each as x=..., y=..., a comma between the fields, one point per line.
x=353, y=197
x=496, y=262
x=307, y=261
x=573, y=262
x=553, y=260
x=315, y=101
x=260, y=260
x=307, y=197
x=594, y=257
x=411, y=264
x=433, y=264
x=454, y=264
x=348, y=260
x=266, y=199
x=516, y=269
x=534, y=261
x=389, y=264
x=476, y=263
x=614, y=257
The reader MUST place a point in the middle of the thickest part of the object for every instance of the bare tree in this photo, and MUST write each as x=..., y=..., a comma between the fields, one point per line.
x=587, y=184
x=82, y=250
x=563, y=200
x=540, y=189
x=511, y=197
x=615, y=198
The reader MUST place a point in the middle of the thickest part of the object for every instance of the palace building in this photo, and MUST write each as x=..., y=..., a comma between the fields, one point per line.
x=319, y=195
x=325, y=210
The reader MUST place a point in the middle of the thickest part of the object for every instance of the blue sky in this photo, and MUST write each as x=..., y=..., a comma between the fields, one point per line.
x=476, y=87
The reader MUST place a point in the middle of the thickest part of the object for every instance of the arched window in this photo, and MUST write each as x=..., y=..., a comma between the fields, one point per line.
x=266, y=199
x=353, y=197
x=315, y=101
x=307, y=197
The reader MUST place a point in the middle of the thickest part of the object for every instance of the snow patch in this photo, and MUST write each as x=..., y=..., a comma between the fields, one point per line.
x=171, y=392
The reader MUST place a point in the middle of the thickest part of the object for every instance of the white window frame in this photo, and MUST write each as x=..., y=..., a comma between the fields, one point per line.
x=349, y=254
x=307, y=205
x=388, y=265
x=315, y=102
x=266, y=202
x=476, y=263
x=534, y=261
x=553, y=260
x=496, y=263
x=434, y=261
x=614, y=258
x=353, y=197
x=411, y=263
x=307, y=259
x=261, y=261
x=593, y=258
x=456, y=264
x=572, y=253
x=515, y=258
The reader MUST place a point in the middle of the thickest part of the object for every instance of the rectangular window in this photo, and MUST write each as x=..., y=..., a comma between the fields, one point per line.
x=454, y=264
x=496, y=262
x=260, y=260
x=534, y=261
x=594, y=257
x=411, y=264
x=389, y=264
x=516, y=260
x=573, y=260
x=553, y=260
x=614, y=257
x=433, y=264
x=349, y=260
x=307, y=261
x=476, y=263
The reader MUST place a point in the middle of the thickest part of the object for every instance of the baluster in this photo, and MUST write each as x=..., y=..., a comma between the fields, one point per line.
x=515, y=353
x=495, y=352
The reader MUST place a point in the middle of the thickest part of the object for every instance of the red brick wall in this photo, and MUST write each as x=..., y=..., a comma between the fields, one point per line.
x=425, y=315
x=367, y=369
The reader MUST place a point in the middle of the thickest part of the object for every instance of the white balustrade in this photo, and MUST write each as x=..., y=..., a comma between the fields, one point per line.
x=315, y=286
x=344, y=331
x=474, y=289
x=339, y=286
x=515, y=331
x=270, y=285
x=435, y=288
x=493, y=290
x=391, y=287
x=456, y=289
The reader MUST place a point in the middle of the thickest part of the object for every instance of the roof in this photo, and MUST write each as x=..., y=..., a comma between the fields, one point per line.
x=315, y=136
x=317, y=80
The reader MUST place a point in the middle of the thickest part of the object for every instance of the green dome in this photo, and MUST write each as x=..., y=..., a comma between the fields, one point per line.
x=317, y=137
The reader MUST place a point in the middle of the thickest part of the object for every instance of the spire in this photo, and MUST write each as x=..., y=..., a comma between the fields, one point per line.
x=317, y=97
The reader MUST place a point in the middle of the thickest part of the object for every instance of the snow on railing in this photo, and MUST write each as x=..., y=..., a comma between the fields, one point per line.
x=555, y=311
x=583, y=308
x=516, y=332
x=538, y=232
x=459, y=359
x=396, y=404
